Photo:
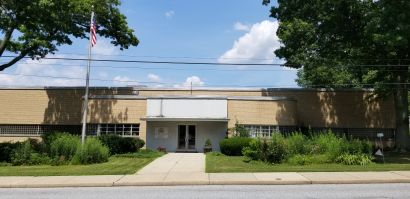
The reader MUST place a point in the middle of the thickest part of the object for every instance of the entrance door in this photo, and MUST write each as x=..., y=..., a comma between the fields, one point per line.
x=186, y=137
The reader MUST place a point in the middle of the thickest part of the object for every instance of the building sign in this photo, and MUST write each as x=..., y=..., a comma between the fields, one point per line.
x=161, y=133
x=187, y=108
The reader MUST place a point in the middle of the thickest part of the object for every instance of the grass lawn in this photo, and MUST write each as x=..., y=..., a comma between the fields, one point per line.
x=226, y=164
x=117, y=165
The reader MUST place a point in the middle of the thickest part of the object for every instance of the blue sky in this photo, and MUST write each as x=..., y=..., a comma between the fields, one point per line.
x=175, y=30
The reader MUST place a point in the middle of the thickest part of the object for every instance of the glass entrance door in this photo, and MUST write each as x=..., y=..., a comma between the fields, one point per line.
x=181, y=136
x=191, y=137
x=186, y=137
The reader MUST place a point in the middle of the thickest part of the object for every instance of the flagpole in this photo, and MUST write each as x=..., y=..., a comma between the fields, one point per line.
x=87, y=82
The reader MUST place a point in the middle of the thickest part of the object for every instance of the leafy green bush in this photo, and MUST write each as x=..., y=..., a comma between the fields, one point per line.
x=121, y=145
x=233, y=146
x=297, y=143
x=6, y=150
x=357, y=146
x=93, y=151
x=24, y=154
x=329, y=144
x=272, y=151
x=354, y=159
x=49, y=137
x=63, y=148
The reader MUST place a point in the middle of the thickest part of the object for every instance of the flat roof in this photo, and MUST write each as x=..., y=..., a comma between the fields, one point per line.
x=209, y=97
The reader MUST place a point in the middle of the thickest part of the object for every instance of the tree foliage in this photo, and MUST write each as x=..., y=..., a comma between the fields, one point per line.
x=36, y=28
x=349, y=43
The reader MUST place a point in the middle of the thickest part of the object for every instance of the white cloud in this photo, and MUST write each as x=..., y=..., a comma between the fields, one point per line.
x=124, y=81
x=169, y=14
x=28, y=72
x=256, y=46
x=45, y=72
x=104, y=47
x=153, y=77
x=241, y=27
x=192, y=80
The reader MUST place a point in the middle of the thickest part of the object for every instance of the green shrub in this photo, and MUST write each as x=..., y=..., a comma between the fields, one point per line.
x=329, y=144
x=276, y=149
x=120, y=145
x=25, y=155
x=355, y=159
x=64, y=147
x=49, y=137
x=93, y=151
x=357, y=146
x=253, y=151
x=297, y=143
x=6, y=150
x=233, y=146
x=272, y=151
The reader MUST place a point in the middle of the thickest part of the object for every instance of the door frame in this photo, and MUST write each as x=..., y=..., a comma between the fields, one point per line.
x=186, y=145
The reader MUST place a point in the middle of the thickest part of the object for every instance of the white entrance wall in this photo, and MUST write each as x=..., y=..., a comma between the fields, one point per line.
x=165, y=134
x=187, y=108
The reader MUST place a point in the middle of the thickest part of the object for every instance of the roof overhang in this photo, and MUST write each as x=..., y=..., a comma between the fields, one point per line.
x=167, y=119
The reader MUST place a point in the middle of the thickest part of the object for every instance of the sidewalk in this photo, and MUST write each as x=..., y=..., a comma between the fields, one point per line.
x=199, y=178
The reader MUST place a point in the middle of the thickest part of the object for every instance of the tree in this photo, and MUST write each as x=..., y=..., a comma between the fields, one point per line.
x=349, y=43
x=36, y=28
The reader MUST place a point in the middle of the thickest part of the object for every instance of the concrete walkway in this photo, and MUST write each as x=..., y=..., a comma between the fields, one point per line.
x=171, y=169
x=176, y=163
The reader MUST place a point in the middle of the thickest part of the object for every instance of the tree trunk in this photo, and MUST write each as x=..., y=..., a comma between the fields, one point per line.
x=402, y=118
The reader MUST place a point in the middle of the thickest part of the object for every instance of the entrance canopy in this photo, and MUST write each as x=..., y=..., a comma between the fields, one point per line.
x=187, y=108
x=159, y=119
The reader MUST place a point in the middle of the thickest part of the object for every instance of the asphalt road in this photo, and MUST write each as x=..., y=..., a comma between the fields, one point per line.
x=214, y=192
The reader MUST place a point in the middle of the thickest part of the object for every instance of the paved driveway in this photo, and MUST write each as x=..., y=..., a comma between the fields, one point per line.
x=176, y=163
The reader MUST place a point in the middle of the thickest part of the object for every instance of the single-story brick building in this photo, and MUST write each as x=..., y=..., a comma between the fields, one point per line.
x=182, y=119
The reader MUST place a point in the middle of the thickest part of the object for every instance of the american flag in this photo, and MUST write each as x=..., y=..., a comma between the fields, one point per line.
x=93, y=29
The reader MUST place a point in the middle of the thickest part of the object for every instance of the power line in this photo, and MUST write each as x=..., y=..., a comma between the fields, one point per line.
x=205, y=63
x=166, y=68
x=79, y=78
x=216, y=58
x=214, y=85
x=199, y=63
x=288, y=69
x=155, y=62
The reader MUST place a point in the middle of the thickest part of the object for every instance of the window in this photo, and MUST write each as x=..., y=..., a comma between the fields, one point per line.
x=261, y=130
x=126, y=130
x=268, y=130
x=38, y=129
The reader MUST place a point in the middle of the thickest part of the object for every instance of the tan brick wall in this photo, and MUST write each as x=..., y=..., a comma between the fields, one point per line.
x=57, y=106
x=346, y=109
x=116, y=111
x=262, y=112
x=40, y=106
